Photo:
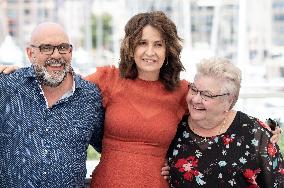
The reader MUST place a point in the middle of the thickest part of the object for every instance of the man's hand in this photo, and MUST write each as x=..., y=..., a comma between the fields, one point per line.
x=8, y=69
x=165, y=171
x=276, y=135
x=274, y=127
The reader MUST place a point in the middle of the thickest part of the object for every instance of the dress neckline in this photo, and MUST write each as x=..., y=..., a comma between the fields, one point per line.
x=204, y=142
x=148, y=83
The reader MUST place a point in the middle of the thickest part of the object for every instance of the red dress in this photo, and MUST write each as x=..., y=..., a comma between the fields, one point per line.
x=140, y=122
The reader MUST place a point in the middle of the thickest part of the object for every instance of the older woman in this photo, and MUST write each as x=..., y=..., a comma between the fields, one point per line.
x=216, y=146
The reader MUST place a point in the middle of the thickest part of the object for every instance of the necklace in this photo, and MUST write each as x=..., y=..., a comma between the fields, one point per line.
x=218, y=132
x=223, y=125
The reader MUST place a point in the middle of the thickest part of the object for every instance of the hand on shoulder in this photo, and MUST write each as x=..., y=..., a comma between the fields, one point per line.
x=7, y=69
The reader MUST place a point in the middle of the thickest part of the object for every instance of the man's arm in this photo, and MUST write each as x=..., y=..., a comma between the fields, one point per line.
x=96, y=140
x=97, y=137
x=2, y=97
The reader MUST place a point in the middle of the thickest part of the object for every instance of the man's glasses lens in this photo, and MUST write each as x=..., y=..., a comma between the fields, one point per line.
x=48, y=49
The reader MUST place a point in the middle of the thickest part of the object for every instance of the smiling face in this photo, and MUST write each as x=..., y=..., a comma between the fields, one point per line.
x=150, y=53
x=211, y=111
x=51, y=70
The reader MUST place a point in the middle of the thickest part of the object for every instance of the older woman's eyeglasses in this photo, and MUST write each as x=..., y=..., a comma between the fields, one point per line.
x=48, y=49
x=205, y=95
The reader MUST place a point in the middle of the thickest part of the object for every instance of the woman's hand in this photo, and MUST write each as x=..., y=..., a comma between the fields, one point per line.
x=8, y=69
x=165, y=171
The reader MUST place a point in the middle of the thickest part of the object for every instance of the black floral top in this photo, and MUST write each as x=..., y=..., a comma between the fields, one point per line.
x=241, y=157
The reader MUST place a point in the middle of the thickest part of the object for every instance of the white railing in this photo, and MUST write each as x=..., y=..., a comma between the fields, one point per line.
x=262, y=102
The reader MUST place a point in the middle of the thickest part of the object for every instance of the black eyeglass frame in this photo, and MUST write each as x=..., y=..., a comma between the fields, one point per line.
x=201, y=93
x=40, y=47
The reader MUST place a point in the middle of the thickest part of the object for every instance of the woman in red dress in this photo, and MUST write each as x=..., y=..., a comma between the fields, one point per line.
x=144, y=101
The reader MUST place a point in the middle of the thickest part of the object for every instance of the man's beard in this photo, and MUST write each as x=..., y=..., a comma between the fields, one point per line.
x=52, y=78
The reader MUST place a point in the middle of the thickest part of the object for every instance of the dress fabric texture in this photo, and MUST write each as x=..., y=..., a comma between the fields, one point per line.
x=141, y=119
x=241, y=157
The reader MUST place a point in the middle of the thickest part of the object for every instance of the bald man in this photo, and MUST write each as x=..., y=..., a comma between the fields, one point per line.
x=48, y=116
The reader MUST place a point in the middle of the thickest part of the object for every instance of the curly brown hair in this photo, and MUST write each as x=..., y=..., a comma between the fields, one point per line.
x=170, y=71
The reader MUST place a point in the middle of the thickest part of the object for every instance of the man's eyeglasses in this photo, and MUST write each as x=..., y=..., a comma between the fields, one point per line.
x=205, y=95
x=48, y=49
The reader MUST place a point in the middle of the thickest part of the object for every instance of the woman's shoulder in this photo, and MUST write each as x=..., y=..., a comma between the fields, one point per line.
x=184, y=83
x=252, y=122
x=182, y=126
x=109, y=70
x=182, y=89
x=106, y=73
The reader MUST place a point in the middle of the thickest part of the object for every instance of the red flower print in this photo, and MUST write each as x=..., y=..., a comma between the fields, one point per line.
x=188, y=167
x=194, y=160
x=250, y=176
x=281, y=171
x=189, y=175
x=271, y=150
x=227, y=139
x=264, y=125
x=180, y=163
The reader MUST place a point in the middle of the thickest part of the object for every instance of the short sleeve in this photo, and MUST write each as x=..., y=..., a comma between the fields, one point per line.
x=98, y=124
x=104, y=79
x=97, y=137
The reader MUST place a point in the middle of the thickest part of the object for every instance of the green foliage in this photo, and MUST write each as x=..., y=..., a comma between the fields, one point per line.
x=92, y=154
x=281, y=145
x=107, y=29
x=281, y=141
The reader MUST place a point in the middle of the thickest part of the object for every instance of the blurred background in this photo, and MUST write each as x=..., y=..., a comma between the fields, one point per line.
x=250, y=33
